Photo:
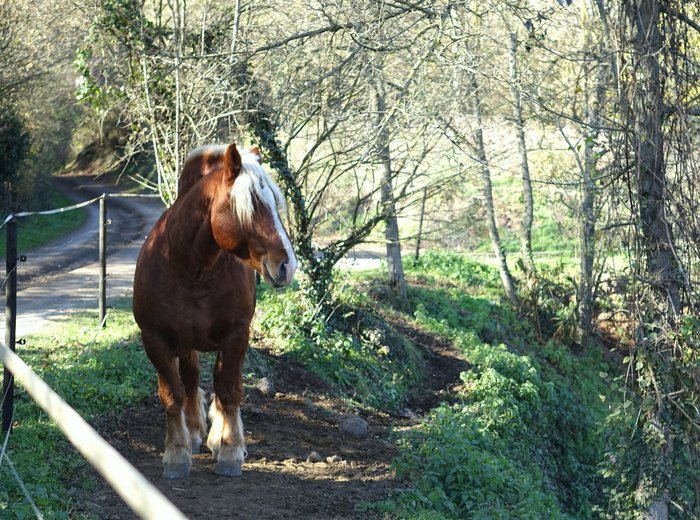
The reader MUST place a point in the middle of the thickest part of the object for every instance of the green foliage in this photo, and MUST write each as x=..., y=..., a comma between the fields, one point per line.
x=14, y=147
x=635, y=473
x=522, y=442
x=97, y=371
x=455, y=267
x=459, y=469
x=354, y=351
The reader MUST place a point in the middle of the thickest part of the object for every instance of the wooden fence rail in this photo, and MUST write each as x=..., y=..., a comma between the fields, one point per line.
x=139, y=494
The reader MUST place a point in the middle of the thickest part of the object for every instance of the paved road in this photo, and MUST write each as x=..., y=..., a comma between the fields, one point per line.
x=64, y=275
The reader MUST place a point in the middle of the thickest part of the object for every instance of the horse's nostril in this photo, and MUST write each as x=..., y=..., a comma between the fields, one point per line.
x=283, y=271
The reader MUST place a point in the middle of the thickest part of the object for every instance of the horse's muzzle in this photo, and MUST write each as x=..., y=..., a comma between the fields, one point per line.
x=282, y=277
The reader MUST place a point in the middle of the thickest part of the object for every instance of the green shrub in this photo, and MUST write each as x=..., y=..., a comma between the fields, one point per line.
x=523, y=441
x=457, y=467
x=14, y=147
x=355, y=352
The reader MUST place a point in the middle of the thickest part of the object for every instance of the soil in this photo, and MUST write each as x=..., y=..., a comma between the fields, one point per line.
x=281, y=431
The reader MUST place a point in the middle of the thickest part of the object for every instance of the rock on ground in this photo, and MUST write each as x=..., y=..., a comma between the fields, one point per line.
x=353, y=425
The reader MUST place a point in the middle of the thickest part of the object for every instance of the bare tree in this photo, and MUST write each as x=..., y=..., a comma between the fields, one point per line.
x=518, y=119
x=480, y=150
x=397, y=279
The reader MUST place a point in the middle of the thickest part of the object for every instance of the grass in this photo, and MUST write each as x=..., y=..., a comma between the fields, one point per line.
x=38, y=230
x=96, y=371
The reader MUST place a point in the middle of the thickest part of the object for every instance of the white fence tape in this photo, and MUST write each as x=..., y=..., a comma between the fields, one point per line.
x=79, y=205
x=140, y=495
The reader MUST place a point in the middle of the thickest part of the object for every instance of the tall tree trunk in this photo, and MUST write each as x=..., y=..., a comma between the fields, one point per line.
x=506, y=278
x=645, y=118
x=647, y=107
x=526, y=233
x=397, y=279
x=588, y=192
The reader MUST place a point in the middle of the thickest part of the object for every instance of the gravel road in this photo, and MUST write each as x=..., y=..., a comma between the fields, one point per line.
x=64, y=275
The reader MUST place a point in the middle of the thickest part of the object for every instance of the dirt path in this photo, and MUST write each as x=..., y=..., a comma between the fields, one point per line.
x=282, y=428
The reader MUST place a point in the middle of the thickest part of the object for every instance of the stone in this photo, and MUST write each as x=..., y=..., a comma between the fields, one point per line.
x=314, y=457
x=335, y=459
x=353, y=425
x=264, y=384
x=409, y=414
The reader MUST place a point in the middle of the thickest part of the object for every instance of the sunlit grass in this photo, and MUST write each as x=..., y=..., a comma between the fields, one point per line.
x=96, y=371
x=38, y=230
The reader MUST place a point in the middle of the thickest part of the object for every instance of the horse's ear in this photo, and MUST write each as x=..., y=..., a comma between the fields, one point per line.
x=254, y=150
x=232, y=162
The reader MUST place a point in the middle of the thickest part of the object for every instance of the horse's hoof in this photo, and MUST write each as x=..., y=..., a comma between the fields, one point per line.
x=195, y=447
x=180, y=470
x=229, y=469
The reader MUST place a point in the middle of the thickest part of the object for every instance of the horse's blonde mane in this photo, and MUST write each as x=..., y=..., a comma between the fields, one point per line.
x=253, y=181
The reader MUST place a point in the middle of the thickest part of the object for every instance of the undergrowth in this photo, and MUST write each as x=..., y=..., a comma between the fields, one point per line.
x=523, y=439
x=354, y=351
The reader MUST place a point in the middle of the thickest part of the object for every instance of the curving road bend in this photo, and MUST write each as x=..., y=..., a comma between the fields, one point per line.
x=64, y=275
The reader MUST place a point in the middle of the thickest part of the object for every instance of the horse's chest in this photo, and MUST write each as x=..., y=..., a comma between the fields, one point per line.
x=209, y=322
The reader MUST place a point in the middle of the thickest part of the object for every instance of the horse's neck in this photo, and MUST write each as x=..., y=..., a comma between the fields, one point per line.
x=190, y=238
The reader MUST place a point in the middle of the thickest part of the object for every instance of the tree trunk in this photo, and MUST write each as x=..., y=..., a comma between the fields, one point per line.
x=588, y=192
x=506, y=278
x=397, y=279
x=647, y=107
x=645, y=117
x=526, y=234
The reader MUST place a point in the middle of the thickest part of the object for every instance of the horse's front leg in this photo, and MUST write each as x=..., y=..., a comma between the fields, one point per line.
x=226, y=437
x=177, y=458
x=195, y=402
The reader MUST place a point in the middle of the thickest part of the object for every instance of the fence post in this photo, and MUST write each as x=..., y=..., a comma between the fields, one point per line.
x=102, y=246
x=8, y=387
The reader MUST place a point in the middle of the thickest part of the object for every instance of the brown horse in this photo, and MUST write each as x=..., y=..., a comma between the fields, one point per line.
x=194, y=290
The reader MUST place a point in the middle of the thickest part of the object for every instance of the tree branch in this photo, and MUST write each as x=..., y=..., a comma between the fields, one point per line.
x=682, y=17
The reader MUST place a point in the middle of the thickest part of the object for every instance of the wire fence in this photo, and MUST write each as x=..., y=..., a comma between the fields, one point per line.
x=138, y=493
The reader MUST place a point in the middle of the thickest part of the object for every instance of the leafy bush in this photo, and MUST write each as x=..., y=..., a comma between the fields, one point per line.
x=523, y=440
x=14, y=147
x=635, y=473
x=355, y=352
x=460, y=469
